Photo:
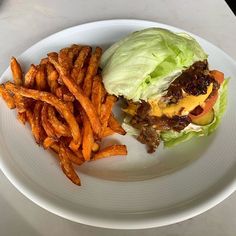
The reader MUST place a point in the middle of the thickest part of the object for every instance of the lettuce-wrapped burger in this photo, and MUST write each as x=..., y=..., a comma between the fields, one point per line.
x=171, y=95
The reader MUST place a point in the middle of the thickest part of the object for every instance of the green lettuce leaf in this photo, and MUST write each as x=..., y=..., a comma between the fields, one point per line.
x=171, y=138
x=143, y=65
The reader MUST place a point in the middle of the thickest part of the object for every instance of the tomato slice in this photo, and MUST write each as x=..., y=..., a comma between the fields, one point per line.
x=218, y=76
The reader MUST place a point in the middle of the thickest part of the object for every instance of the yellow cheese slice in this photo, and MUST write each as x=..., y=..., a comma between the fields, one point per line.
x=183, y=107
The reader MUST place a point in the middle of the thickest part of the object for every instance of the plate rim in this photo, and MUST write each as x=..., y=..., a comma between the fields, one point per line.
x=212, y=201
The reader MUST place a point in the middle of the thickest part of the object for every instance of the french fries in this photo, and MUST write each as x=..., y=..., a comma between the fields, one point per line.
x=16, y=71
x=7, y=97
x=66, y=105
x=114, y=150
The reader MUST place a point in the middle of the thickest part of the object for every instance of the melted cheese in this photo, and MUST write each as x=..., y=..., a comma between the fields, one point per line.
x=183, y=107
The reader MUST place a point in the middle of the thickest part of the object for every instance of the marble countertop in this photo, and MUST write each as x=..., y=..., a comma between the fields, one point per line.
x=23, y=23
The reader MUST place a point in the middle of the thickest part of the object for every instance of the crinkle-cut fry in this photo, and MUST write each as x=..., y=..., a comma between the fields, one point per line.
x=7, y=97
x=57, y=125
x=78, y=75
x=97, y=93
x=44, y=61
x=50, y=131
x=92, y=71
x=16, y=71
x=114, y=124
x=40, y=78
x=65, y=58
x=48, y=142
x=114, y=150
x=67, y=166
x=88, y=139
x=79, y=95
x=21, y=116
x=52, y=77
x=38, y=131
x=106, y=110
x=51, y=99
x=30, y=77
x=107, y=132
x=81, y=59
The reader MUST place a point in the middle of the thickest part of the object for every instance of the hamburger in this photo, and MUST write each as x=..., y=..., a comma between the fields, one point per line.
x=170, y=93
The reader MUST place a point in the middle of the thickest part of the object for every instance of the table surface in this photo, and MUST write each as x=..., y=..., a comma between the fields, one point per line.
x=23, y=23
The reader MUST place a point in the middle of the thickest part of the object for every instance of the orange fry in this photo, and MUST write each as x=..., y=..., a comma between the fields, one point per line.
x=106, y=110
x=80, y=60
x=44, y=61
x=67, y=166
x=50, y=131
x=65, y=58
x=106, y=132
x=92, y=71
x=97, y=93
x=52, y=77
x=57, y=125
x=78, y=75
x=38, y=131
x=114, y=124
x=30, y=77
x=7, y=97
x=48, y=142
x=79, y=95
x=21, y=116
x=52, y=100
x=40, y=78
x=88, y=139
x=16, y=71
x=114, y=150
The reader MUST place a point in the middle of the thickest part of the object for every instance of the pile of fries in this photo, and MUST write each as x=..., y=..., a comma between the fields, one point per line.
x=66, y=105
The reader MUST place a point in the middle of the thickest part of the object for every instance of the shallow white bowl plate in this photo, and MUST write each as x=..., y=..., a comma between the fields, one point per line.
x=140, y=190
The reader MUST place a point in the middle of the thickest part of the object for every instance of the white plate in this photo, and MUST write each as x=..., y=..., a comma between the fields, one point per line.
x=139, y=191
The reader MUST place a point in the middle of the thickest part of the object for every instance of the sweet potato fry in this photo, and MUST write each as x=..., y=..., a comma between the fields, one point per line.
x=40, y=78
x=67, y=166
x=50, y=131
x=114, y=124
x=92, y=71
x=48, y=142
x=63, y=93
x=80, y=60
x=57, y=125
x=38, y=131
x=97, y=93
x=106, y=132
x=106, y=110
x=79, y=95
x=21, y=116
x=52, y=77
x=30, y=77
x=88, y=139
x=44, y=61
x=7, y=97
x=52, y=100
x=75, y=157
x=78, y=75
x=65, y=58
x=16, y=71
x=114, y=150
x=76, y=48
x=74, y=146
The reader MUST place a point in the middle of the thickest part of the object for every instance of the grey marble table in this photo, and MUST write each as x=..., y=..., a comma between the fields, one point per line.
x=23, y=23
